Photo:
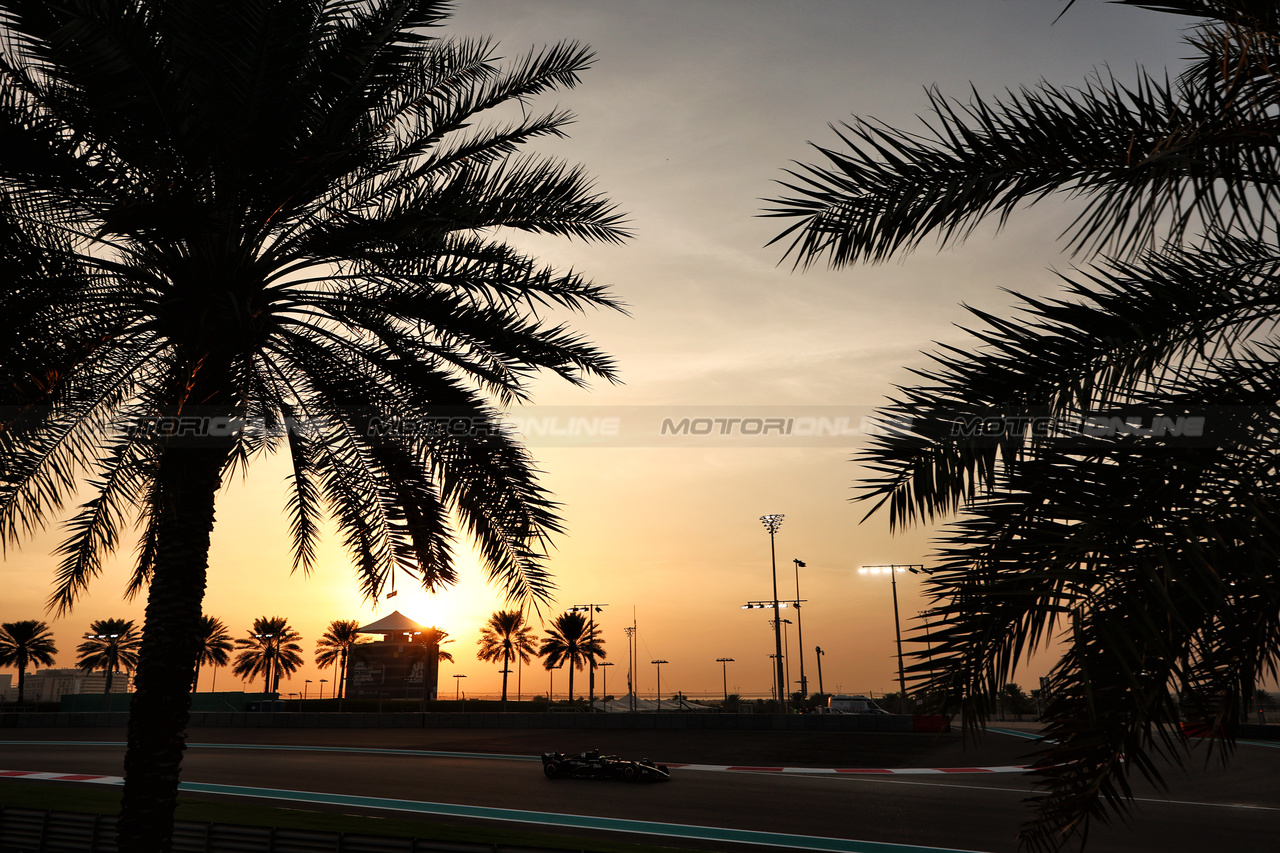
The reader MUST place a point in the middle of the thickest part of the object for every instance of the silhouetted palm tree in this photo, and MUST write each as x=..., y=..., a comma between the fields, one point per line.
x=334, y=647
x=503, y=638
x=110, y=645
x=215, y=646
x=572, y=640
x=1109, y=454
x=23, y=643
x=270, y=650
x=276, y=225
x=439, y=637
x=420, y=643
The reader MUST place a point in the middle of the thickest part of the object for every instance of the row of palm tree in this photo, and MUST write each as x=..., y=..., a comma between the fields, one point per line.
x=272, y=647
x=270, y=650
x=571, y=639
x=111, y=646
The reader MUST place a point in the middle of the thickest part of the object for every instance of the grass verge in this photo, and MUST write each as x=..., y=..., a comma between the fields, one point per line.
x=95, y=799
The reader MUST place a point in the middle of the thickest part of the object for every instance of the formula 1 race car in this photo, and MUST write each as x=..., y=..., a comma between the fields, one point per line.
x=593, y=765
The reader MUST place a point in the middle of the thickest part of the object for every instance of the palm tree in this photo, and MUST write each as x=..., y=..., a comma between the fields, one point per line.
x=270, y=650
x=439, y=637
x=503, y=638
x=1105, y=458
x=23, y=643
x=334, y=646
x=571, y=639
x=419, y=643
x=215, y=646
x=275, y=225
x=109, y=645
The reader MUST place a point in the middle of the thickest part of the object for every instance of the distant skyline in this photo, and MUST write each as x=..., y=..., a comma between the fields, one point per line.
x=694, y=110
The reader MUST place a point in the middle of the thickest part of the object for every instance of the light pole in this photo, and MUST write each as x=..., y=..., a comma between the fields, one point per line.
x=592, y=610
x=820, y=653
x=804, y=683
x=109, y=673
x=323, y=682
x=269, y=654
x=724, y=671
x=304, y=689
x=772, y=523
x=110, y=670
x=551, y=684
x=893, y=570
x=659, y=664
x=457, y=688
x=604, y=688
x=631, y=673
x=786, y=652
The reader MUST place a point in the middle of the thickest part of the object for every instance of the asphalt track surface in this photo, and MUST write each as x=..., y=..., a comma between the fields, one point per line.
x=1207, y=808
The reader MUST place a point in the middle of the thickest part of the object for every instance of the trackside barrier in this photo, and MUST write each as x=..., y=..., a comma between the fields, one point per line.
x=521, y=720
x=670, y=721
x=31, y=831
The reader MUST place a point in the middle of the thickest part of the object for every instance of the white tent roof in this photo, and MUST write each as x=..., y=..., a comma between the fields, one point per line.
x=395, y=623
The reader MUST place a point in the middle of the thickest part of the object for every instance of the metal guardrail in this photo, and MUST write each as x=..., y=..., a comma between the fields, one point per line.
x=34, y=831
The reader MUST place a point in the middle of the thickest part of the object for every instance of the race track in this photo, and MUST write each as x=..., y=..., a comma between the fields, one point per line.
x=1208, y=809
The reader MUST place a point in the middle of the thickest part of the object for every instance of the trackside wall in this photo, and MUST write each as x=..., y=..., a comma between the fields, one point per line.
x=688, y=722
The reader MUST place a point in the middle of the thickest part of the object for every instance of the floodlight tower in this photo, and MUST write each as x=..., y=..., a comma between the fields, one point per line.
x=893, y=570
x=591, y=610
x=724, y=671
x=771, y=523
x=804, y=682
x=659, y=664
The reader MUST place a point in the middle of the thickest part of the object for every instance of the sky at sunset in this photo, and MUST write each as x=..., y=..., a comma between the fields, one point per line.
x=693, y=111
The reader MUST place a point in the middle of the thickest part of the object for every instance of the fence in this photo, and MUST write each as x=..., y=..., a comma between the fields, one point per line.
x=31, y=831
x=548, y=720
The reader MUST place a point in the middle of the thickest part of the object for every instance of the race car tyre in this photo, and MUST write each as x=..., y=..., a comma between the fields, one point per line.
x=630, y=773
x=552, y=769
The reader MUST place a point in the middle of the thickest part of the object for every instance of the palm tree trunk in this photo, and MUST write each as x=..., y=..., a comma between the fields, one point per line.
x=22, y=682
x=188, y=480
x=343, y=679
x=506, y=665
x=569, y=665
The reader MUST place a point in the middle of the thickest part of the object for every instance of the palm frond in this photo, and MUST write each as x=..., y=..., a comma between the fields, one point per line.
x=1123, y=328
x=1146, y=159
x=128, y=472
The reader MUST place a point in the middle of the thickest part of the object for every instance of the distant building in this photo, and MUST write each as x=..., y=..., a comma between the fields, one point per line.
x=405, y=665
x=49, y=685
